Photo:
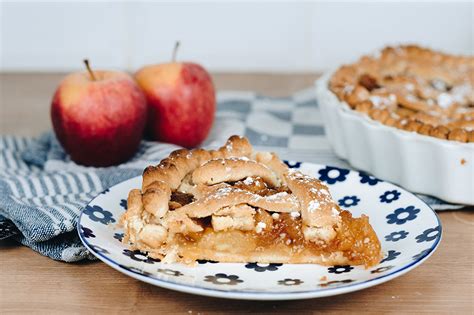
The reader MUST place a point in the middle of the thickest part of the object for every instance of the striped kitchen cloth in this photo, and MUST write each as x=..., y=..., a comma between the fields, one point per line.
x=42, y=191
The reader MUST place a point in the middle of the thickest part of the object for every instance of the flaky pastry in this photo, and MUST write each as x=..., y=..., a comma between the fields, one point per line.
x=414, y=89
x=237, y=205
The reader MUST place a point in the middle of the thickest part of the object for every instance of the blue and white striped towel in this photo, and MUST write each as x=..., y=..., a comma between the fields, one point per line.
x=42, y=191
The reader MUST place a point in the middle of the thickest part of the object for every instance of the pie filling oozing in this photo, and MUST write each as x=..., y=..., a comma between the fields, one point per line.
x=236, y=205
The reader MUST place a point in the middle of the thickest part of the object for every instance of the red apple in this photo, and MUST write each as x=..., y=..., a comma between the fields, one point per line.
x=99, y=116
x=181, y=102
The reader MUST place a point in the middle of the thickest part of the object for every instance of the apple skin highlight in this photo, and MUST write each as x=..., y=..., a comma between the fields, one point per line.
x=181, y=102
x=99, y=123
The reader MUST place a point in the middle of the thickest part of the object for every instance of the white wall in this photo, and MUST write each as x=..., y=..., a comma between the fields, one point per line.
x=283, y=37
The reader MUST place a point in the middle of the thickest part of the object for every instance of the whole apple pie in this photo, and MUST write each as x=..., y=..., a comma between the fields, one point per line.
x=237, y=205
x=414, y=89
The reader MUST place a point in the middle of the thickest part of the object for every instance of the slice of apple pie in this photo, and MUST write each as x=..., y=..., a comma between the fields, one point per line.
x=237, y=205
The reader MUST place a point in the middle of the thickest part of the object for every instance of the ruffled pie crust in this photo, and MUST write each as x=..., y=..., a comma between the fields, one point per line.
x=413, y=89
x=237, y=205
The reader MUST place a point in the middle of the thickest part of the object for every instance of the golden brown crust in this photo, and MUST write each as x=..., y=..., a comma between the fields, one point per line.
x=320, y=214
x=228, y=196
x=439, y=132
x=409, y=82
x=470, y=136
x=231, y=170
x=272, y=161
x=232, y=188
x=458, y=134
x=156, y=198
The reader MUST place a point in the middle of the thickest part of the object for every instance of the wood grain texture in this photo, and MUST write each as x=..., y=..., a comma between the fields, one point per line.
x=32, y=283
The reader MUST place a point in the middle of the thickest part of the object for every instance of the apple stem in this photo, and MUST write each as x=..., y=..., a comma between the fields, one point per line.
x=91, y=73
x=175, y=50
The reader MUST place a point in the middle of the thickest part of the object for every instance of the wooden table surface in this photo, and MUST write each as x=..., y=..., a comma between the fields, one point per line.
x=30, y=282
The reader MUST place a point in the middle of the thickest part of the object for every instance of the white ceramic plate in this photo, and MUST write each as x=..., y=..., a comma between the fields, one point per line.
x=408, y=229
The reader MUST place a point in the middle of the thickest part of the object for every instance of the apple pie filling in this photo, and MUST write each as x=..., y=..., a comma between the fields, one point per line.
x=258, y=228
x=233, y=205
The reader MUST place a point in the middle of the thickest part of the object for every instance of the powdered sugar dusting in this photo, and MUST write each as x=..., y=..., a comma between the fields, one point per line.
x=313, y=205
x=248, y=181
x=412, y=98
x=461, y=92
x=235, y=158
x=277, y=197
x=440, y=85
x=410, y=87
x=348, y=89
x=221, y=192
x=383, y=101
x=445, y=100
x=238, y=158
x=260, y=227
x=295, y=214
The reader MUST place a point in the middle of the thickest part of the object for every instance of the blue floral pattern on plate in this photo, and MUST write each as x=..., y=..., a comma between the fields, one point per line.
x=223, y=279
x=123, y=204
x=368, y=179
x=263, y=267
x=408, y=229
x=292, y=164
x=422, y=254
x=396, y=236
x=332, y=175
x=203, y=261
x=381, y=269
x=139, y=256
x=389, y=196
x=340, y=269
x=402, y=215
x=87, y=233
x=391, y=255
x=429, y=235
x=348, y=201
x=118, y=236
x=290, y=282
x=97, y=214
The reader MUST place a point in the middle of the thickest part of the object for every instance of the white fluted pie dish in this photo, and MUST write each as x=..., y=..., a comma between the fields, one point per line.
x=421, y=164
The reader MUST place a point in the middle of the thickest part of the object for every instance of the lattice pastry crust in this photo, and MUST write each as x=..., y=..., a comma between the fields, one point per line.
x=237, y=205
x=414, y=89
